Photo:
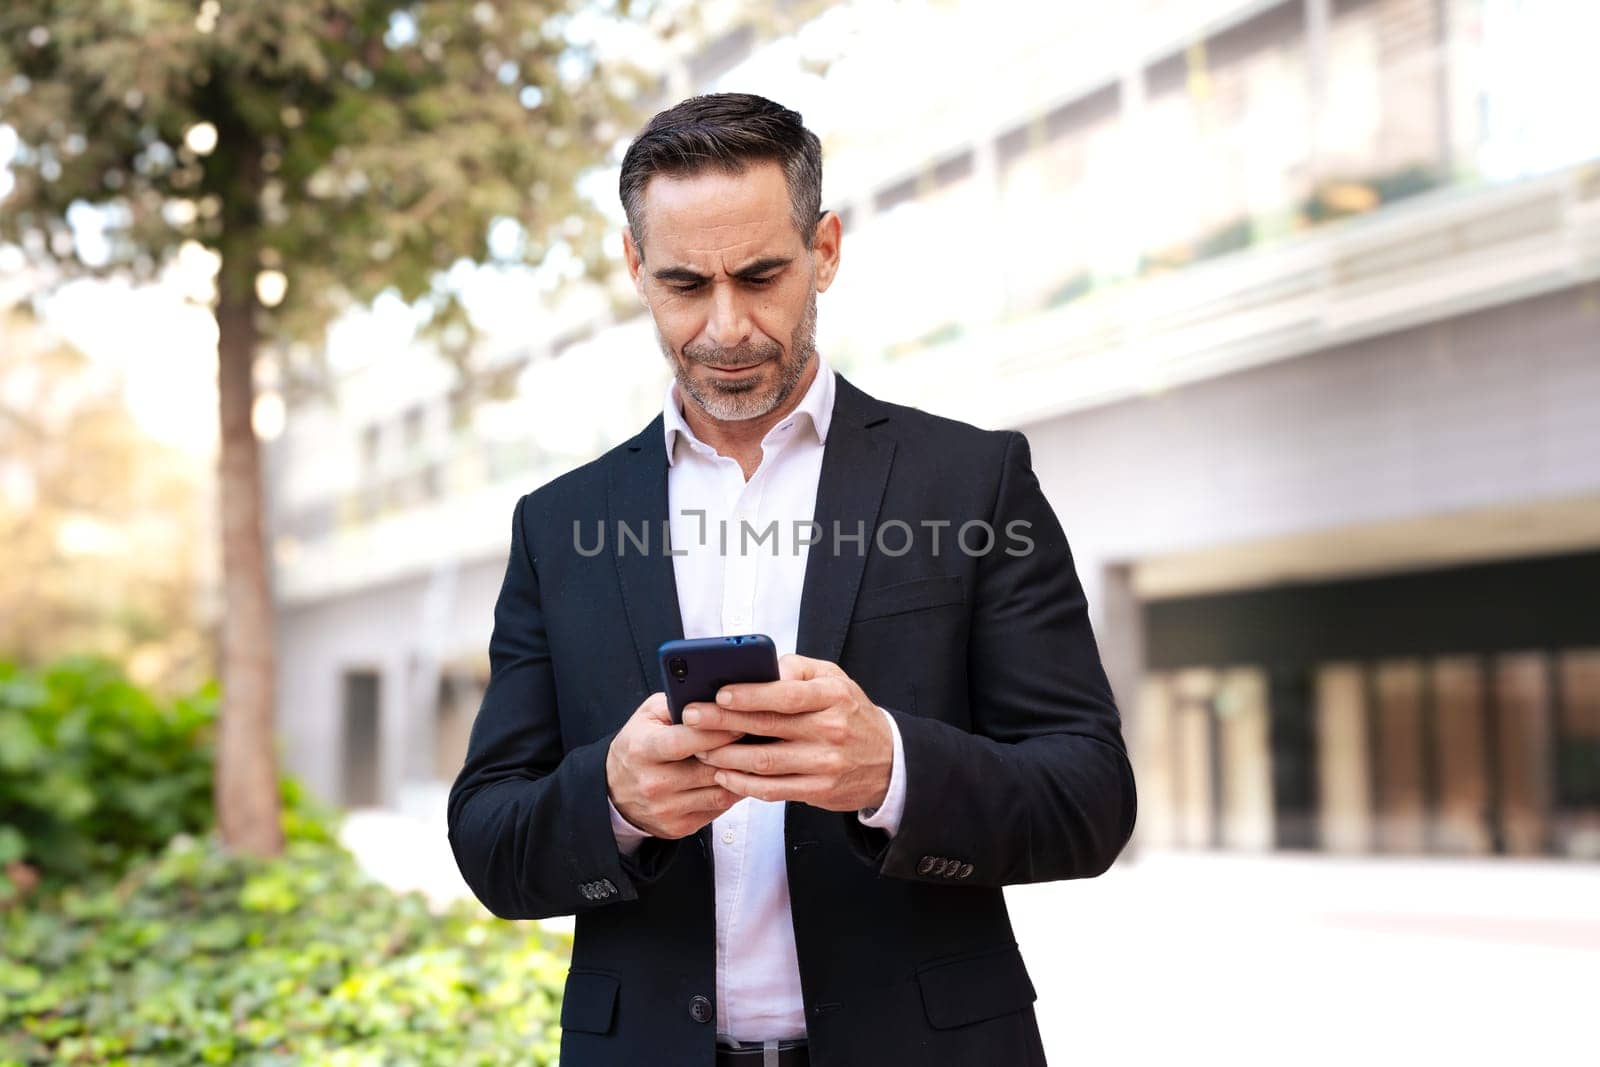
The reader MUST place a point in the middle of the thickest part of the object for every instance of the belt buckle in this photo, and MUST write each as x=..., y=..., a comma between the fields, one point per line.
x=770, y=1050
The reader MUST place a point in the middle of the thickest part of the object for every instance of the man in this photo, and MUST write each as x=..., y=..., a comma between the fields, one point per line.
x=944, y=724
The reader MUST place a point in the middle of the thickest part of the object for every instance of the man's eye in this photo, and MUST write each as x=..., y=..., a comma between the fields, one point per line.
x=761, y=282
x=692, y=287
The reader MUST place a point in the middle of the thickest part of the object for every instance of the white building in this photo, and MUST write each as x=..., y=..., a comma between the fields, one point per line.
x=1299, y=306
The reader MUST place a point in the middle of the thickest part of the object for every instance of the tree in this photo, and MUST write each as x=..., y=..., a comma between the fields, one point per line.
x=324, y=151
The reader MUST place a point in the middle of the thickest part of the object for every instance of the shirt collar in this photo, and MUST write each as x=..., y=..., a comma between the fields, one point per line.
x=815, y=409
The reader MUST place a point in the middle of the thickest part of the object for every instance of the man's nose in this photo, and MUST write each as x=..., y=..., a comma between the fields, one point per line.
x=729, y=325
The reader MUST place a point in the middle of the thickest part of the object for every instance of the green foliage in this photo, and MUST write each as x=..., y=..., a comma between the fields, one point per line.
x=149, y=943
x=95, y=773
x=304, y=817
x=197, y=956
x=354, y=145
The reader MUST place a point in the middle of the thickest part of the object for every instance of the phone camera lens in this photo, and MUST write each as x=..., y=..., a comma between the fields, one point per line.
x=679, y=667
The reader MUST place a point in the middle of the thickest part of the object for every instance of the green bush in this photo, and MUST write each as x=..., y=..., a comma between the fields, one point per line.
x=146, y=942
x=198, y=956
x=96, y=774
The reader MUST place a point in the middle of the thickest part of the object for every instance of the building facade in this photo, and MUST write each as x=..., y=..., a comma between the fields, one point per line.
x=1299, y=306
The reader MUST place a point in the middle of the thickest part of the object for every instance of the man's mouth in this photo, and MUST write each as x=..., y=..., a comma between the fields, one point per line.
x=734, y=372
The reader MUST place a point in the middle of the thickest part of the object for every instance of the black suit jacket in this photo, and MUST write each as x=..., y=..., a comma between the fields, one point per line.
x=1015, y=765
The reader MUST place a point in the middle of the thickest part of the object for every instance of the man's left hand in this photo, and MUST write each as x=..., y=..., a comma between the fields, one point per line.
x=834, y=749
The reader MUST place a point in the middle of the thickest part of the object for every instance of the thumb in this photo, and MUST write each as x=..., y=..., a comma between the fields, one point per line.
x=794, y=667
x=655, y=708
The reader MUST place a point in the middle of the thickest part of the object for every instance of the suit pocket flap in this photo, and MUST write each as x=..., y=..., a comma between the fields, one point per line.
x=589, y=1002
x=908, y=596
x=973, y=988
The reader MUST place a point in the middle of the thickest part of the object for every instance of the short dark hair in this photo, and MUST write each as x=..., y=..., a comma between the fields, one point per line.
x=726, y=131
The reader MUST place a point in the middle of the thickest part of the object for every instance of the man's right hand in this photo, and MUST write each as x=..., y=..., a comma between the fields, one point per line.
x=653, y=782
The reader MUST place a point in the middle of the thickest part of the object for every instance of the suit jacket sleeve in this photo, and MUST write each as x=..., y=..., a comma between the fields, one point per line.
x=528, y=819
x=1041, y=787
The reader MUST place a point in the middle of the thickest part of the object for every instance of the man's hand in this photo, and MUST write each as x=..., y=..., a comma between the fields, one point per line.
x=653, y=782
x=834, y=751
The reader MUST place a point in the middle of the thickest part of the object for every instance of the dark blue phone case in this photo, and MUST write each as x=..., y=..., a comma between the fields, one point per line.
x=694, y=669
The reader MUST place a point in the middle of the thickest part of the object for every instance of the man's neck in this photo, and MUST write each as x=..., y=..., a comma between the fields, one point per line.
x=740, y=439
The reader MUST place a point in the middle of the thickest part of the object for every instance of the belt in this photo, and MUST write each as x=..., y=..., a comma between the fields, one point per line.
x=764, y=1054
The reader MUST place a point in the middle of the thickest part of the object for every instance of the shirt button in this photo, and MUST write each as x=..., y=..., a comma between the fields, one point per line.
x=727, y=837
x=700, y=1009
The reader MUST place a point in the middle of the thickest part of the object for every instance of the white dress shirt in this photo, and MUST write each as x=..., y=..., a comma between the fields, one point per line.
x=731, y=581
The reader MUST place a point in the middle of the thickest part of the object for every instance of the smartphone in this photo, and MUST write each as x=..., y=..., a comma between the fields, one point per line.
x=694, y=669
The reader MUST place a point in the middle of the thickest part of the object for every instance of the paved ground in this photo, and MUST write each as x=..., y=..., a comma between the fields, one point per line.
x=1180, y=958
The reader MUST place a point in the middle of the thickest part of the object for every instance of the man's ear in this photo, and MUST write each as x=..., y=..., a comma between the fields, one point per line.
x=825, y=248
x=635, y=257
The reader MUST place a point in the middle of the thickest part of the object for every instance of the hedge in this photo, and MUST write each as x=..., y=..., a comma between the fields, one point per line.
x=146, y=942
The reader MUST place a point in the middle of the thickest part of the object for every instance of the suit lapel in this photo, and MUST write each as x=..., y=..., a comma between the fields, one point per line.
x=636, y=497
x=855, y=469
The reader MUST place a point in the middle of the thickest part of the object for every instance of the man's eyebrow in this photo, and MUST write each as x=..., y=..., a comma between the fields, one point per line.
x=763, y=266
x=749, y=270
x=677, y=274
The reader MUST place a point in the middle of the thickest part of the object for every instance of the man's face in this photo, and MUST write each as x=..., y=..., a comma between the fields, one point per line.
x=731, y=286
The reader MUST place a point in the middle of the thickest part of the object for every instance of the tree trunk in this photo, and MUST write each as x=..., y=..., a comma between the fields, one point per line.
x=246, y=783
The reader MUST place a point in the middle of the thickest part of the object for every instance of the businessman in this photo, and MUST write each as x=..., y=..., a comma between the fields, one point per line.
x=944, y=726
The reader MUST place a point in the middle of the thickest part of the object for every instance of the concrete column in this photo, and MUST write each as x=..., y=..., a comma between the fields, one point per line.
x=1318, y=15
x=989, y=304
x=1120, y=634
x=1136, y=153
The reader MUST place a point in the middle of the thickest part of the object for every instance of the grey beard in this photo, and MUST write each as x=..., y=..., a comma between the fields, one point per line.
x=737, y=401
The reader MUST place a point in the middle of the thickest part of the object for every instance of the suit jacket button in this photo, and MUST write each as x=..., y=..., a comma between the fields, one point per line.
x=926, y=865
x=966, y=869
x=700, y=1009
x=942, y=866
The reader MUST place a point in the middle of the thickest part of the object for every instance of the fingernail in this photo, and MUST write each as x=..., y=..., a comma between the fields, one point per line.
x=724, y=697
x=691, y=716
